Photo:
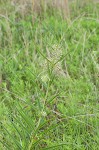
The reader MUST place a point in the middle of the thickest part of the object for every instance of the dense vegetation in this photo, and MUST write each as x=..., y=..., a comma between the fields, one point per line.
x=49, y=70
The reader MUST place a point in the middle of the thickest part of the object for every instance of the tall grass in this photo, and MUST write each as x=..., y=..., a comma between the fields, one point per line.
x=49, y=79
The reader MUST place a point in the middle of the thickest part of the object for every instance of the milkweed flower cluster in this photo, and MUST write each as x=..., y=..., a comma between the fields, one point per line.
x=45, y=78
x=54, y=56
x=53, y=62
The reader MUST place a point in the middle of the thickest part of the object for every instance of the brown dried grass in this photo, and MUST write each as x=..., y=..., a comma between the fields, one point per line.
x=38, y=5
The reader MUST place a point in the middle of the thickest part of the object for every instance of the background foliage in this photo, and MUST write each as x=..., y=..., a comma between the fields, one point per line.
x=49, y=69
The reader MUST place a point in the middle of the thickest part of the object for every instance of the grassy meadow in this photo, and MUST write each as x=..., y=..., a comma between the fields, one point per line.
x=49, y=78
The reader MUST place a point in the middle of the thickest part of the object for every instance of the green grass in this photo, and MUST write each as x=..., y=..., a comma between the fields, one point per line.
x=49, y=72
